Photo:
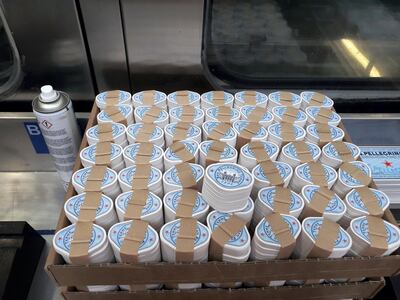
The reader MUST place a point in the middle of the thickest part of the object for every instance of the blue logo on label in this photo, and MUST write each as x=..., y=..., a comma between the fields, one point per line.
x=37, y=140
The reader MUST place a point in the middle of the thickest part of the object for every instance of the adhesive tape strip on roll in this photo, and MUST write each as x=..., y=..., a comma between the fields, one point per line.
x=282, y=232
x=112, y=97
x=181, y=131
x=246, y=134
x=214, y=152
x=370, y=201
x=249, y=97
x=218, y=98
x=140, y=180
x=303, y=152
x=88, y=209
x=135, y=204
x=325, y=241
x=316, y=99
x=179, y=149
x=79, y=252
x=134, y=237
x=145, y=133
x=182, y=98
x=152, y=114
x=94, y=181
x=356, y=173
x=290, y=115
x=219, y=131
x=148, y=97
x=319, y=202
x=186, y=204
x=317, y=173
x=344, y=152
x=288, y=132
x=377, y=237
x=285, y=98
x=143, y=156
x=115, y=115
x=224, y=114
x=185, y=175
x=271, y=172
x=324, y=133
x=103, y=153
x=282, y=200
x=105, y=132
x=259, y=151
x=256, y=114
x=188, y=113
x=222, y=234
x=185, y=240
x=324, y=115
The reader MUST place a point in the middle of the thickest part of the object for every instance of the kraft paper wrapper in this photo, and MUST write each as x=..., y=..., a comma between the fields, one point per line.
x=89, y=207
x=143, y=156
x=290, y=115
x=145, y=132
x=256, y=114
x=148, y=97
x=133, y=238
x=324, y=133
x=180, y=151
x=224, y=114
x=318, y=203
x=323, y=116
x=112, y=97
x=259, y=151
x=249, y=97
x=188, y=114
x=151, y=115
x=285, y=98
x=140, y=180
x=317, y=173
x=343, y=151
x=303, y=153
x=105, y=132
x=282, y=233
x=185, y=175
x=325, y=240
x=246, y=134
x=186, y=203
x=182, y=97
x=317, y=99
x=287, y=132
x=103, y=153
x=377, y=237
x=218, y=98
x=79, y=252
x=214, y=152
x=95, y=179
x=356, y=173
x=218, y=132
x=115, y=115
x=370, y=201
x=136, y=204
x=272, y=173
x=181, y=131
x=222, y=234
x=185, y=240
x=282, y=200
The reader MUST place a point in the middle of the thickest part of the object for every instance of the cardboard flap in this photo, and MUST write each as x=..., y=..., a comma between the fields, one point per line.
x=325, y=240
x=290, y=115
x=377, y=237
x=370, y=201
x=140, y=180
x=180, y=151
x=112, y=97
x=152, y=114
x=186, y=203
x=219, y=131
x=344, y=152
x=271, y=172
x=282, y=200
x=222, y=234
x=324, y=115
x=185, y=240
x=185, y=175
x=133, y=238
x=214, y=152
x=148, y=97
x=259, y=151
x=115, y=115
x=182, y=97
x=87, y=212
x=188, y=113
x=318, y=203
x=282, y=233
x=94, y=181
x=317, y=99
x=249, y=97
x=317, y=173
x=181, y=131
x=256, y=114
x=145, y=133
x=103, y=153
x=247, y=134
x=224, y=114
x=79, y=252
x=105, y=132
x=356, y=173
x=136, y=204
x=287, y=132
x=324, y=133
x=303, y=152
x=285, y=98
x=143, y=156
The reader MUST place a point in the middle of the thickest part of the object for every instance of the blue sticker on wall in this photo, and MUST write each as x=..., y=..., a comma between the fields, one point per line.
x=34, y=133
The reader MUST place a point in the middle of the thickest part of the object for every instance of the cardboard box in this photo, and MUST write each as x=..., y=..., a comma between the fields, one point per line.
x=70, y=276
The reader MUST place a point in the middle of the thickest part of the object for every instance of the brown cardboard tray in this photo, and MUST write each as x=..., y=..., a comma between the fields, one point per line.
x=222, y=272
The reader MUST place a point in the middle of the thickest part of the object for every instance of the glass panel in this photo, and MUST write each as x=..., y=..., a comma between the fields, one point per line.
x=256, y=41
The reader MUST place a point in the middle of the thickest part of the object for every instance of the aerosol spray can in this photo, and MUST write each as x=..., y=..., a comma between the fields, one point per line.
x=55, y=114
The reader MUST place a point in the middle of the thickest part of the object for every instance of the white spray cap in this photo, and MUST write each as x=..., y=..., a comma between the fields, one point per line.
x=48, y=94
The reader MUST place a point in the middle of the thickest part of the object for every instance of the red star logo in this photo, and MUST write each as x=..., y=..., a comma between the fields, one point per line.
x=388, y=164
